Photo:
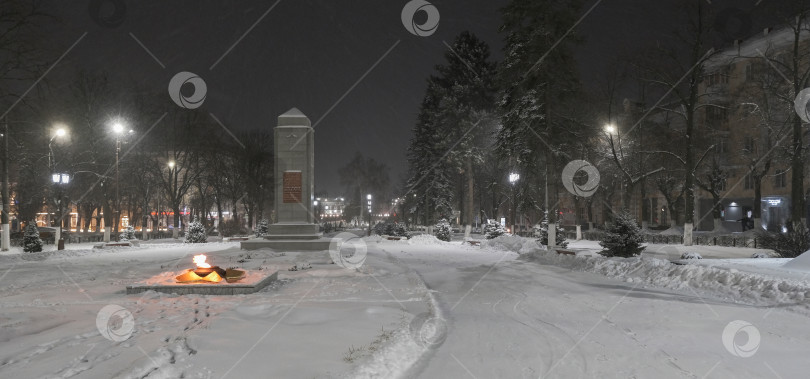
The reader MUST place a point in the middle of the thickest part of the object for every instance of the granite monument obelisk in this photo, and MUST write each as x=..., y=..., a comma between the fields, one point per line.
x=294, y=179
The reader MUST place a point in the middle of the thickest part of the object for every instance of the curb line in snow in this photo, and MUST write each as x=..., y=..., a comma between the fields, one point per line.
x=399, y=357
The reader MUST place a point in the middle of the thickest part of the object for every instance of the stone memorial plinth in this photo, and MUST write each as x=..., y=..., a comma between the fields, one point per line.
x=254, y=281
x=294, y=180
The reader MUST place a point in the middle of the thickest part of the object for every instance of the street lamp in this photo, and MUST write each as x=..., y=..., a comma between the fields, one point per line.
x=172, y=188
x=368, y=198
x=59, y=131
x=118, y=129
x=610, y=129
x=513, y=178
x=63, y=179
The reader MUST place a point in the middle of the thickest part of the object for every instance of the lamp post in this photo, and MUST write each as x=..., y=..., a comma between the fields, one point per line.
x=175, y=232
x=118, y=129
x=513, y=178
x=58, y=180
x=368, y=198
x=611, y=130
x=60, y=131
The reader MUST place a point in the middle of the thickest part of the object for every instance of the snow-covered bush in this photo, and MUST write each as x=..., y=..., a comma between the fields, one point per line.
x=541, y=232
x=31, y=241
x=401, y=231
x=760, y=255
x=196, y=232
x=493, y=229
x=691, y=255
x=442, y=230
x=623, y=238
x=389, y=229
x=127, y=234
x=261, y=227
x=379, y=228
x=788, y=245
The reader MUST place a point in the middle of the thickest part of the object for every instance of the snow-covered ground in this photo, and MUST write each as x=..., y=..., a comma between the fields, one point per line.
x=412, y=308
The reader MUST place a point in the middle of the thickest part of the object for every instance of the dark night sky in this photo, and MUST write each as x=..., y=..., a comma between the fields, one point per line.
x=307, y=54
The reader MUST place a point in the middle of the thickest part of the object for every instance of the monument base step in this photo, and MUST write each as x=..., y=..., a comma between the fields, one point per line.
x=319, y=244
x=304, y=237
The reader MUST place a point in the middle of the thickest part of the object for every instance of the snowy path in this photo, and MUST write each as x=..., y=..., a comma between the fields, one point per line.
x=516, y=319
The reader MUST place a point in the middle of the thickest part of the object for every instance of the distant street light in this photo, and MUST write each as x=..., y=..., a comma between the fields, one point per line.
x=610, y=129
x=118, y=127
x=368, y=197
x=60, y=131
x=513, y=178
x=172, y=186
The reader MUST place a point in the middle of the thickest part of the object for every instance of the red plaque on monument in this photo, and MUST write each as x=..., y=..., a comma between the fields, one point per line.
x=292, y=186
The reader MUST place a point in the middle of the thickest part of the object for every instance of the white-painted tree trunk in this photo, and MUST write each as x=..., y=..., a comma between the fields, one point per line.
x=687, y=234
x=552, y=235
x=6, y=239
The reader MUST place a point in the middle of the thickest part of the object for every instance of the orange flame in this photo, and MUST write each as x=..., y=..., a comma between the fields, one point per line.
x=200, y=261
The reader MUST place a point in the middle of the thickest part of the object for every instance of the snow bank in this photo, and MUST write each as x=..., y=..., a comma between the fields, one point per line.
x=801, y=263
x=425, y=239
x=396, y=358
x=746, y=287
x=517, y=244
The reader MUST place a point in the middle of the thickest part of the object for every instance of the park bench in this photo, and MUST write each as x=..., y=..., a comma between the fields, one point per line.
x=565, y=252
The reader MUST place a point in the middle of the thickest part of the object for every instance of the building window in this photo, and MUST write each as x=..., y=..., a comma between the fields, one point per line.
x=719, y=77
x=780, y=179
x=749, y=72
x=748, y=183
x=716, y=115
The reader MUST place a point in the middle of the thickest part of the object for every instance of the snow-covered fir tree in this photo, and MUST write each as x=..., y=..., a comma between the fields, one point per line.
x=196, y=232
x=442, y=230
x=262, y=227
x=127, y=234
x=31, y=241
x=379, y=228
x=451, y=132
x=623, y=238
x=533, y=101
x=541, y=233
x=389, y=229
x=401, y=231
x=493, y=229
